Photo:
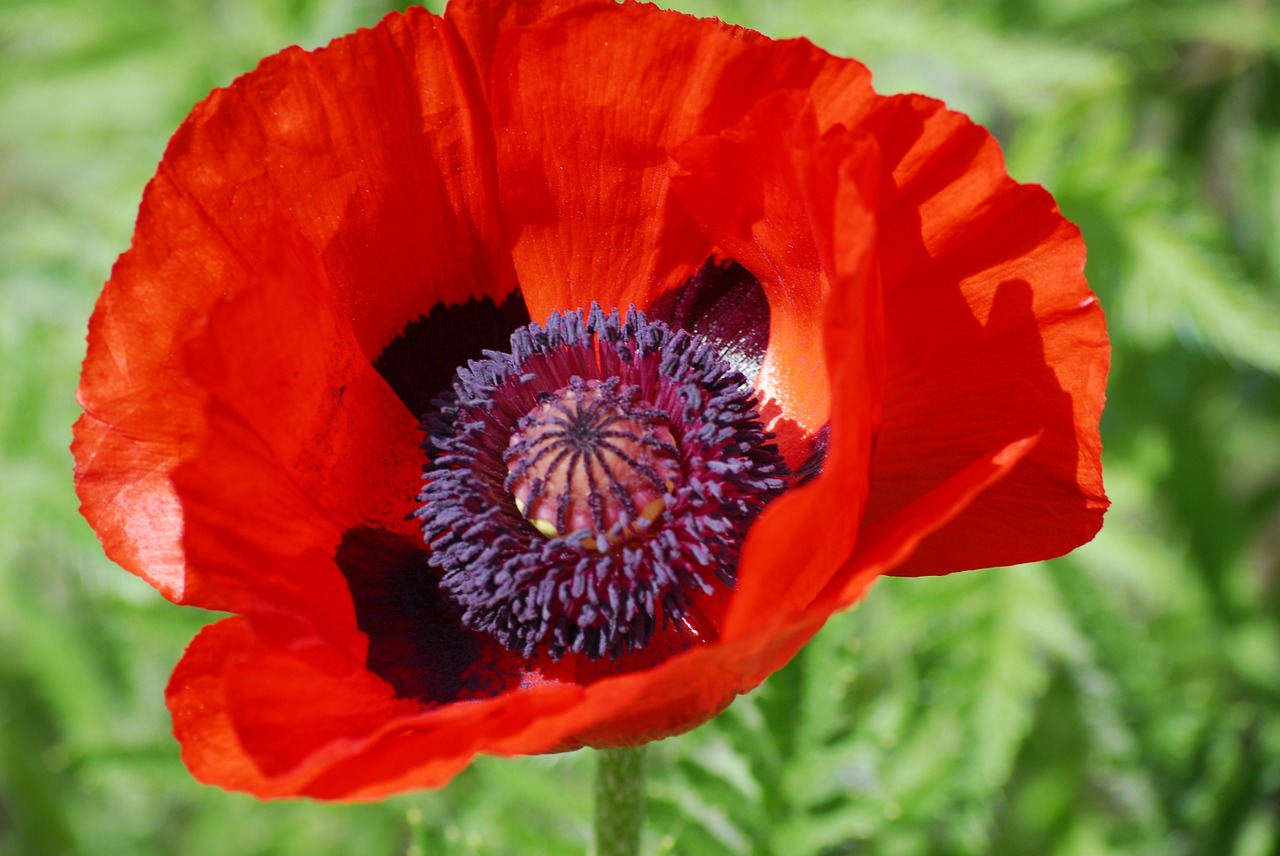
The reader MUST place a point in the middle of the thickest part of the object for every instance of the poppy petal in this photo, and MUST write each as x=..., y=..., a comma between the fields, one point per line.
x=377, y=151
x=751, y=189
x=992, y=334
x=201, y=720
x=888, y=544
x=253, y=674
x=841, y=188
x=236, y=696
x=742, y=189
x=479, y=23
x=691, y=688
x=366, y=147
x=122, y=472
x=583, y=152
x=302, y=440
x=235, y=699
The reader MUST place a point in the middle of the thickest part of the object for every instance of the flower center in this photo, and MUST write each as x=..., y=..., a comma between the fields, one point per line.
x=585, y=490
x=589, y=458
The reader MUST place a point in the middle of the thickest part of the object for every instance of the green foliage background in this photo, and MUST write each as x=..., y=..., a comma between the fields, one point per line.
x=1123, y=700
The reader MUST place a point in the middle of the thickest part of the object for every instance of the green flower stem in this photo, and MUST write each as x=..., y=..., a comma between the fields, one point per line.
x=619, y=801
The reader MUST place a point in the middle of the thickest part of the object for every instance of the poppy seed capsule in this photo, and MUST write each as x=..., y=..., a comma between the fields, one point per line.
x=587, y=458
x=587, y=489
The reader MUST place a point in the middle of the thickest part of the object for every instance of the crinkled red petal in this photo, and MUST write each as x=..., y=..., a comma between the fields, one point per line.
x=587, y=107
x=301, y=441
x=890, y=542
x=774, y=197
x=377, y=152
x=992, y=334
x=479, y=23
x=258, y=708
x=742, y=189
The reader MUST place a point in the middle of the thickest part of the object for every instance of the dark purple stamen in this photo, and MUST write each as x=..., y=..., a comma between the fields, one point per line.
x=585, y=486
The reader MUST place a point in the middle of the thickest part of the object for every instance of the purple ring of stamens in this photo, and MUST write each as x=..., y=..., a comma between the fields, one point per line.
x=561, y=593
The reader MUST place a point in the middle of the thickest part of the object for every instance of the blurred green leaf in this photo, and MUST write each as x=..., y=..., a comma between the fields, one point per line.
x=1179, y=290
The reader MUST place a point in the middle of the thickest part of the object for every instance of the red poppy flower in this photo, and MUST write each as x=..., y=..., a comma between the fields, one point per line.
x=335, y=235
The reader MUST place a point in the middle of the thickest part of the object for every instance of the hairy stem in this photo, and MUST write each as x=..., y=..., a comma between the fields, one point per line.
x=619, y=801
